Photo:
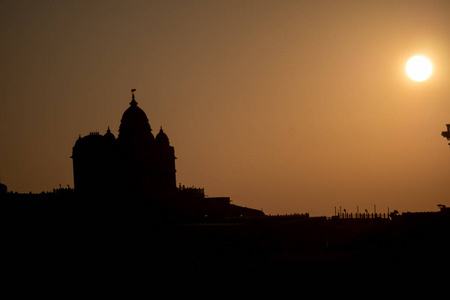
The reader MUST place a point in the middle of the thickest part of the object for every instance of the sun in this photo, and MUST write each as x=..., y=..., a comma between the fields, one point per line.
x=418, y=68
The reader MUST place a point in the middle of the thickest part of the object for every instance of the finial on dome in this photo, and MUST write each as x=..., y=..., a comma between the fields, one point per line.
x=108, y=131
x=133, y=101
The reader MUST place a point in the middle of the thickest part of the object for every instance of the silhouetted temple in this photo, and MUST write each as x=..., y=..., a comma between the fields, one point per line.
x=129, y=181
x=134, y=163
x=138, y=165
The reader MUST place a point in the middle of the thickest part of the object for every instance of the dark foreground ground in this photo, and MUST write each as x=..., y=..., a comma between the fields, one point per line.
x=37, y=242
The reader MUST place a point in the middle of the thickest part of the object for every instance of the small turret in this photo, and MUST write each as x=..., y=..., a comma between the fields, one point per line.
x=109, y=135
x=162, y=139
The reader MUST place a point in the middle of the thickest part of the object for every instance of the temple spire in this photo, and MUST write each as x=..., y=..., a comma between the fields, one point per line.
x=133, y=101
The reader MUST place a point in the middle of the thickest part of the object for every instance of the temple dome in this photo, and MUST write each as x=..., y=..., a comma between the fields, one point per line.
x=134, y=122
x=109, y=135
x=162, y=139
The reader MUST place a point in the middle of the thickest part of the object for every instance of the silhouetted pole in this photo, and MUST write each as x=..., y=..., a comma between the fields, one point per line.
x=446, y=134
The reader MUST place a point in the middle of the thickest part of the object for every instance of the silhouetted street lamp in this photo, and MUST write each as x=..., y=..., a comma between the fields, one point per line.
x=446, y=134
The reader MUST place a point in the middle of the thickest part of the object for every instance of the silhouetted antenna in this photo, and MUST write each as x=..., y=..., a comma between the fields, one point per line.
x=133, y=90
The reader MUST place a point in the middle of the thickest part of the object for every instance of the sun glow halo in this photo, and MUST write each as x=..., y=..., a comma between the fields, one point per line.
x=418, y=68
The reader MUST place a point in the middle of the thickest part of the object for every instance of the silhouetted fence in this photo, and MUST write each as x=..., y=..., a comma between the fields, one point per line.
x=362, y=216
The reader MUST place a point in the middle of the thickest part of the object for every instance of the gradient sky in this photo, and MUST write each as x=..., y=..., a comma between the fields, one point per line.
x=285, y=106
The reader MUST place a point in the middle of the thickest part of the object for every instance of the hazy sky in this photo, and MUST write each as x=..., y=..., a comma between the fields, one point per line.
x=285, y=106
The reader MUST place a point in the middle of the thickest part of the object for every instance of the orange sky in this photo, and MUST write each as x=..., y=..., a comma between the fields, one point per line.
x=285, y=106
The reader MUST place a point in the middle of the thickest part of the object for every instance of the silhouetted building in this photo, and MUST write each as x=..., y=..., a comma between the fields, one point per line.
x=138, y=165
x=134, y=163
x=95, y=159
x=3, y=189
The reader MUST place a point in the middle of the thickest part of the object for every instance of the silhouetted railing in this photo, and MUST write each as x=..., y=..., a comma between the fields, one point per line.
x=362, y=216
x=294, y=215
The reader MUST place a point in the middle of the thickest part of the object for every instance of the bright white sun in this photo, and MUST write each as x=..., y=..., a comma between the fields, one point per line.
x=418, y=68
